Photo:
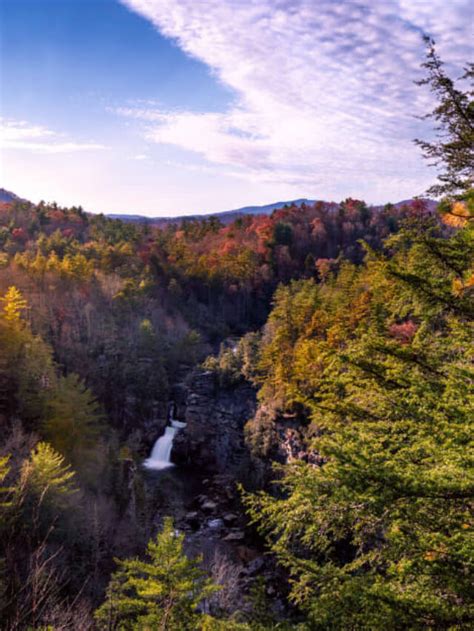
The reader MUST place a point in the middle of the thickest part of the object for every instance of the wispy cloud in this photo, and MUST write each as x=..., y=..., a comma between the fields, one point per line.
x=323, y=90
x=37, y=139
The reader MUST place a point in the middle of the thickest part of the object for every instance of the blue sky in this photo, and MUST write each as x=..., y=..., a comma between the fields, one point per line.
x=165, y=107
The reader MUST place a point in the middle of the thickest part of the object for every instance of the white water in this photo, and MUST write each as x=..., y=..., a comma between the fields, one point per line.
x=177, y=424
x=161, y=452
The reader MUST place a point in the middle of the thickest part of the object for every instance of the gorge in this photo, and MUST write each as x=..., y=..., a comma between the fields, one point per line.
x=146, y=382
x=257, y=420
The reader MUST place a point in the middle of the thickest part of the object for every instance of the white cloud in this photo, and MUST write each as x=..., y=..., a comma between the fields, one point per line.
x=324, y=90
x=37, y=139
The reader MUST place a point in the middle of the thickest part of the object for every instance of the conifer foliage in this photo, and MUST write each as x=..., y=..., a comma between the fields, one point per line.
x=453, y=148
x=380, y=533
x=162, y=593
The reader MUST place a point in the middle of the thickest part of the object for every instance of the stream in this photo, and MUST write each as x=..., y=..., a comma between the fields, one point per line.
x=206, y=507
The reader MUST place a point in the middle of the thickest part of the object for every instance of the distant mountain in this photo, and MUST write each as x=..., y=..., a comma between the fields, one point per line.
x=226, y=216
x=7, y=196
x=263, y=210
x=431, y=204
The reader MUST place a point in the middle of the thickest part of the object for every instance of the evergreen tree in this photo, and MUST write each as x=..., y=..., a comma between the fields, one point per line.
x=453, y=148
x=13, y=305
x=380, y=534
x=162, y=593
x=73, y=419
x=26, y=364
x=46, y=480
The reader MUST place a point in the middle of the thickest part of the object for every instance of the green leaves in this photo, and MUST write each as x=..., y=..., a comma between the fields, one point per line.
x=43, y=493
x=73, y=419
x=381, y=533
x=47, y=472
x=162, y=593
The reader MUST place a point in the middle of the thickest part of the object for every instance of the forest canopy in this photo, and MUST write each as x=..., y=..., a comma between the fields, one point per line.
x=348, y=327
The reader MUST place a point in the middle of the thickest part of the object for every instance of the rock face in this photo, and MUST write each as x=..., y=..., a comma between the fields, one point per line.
x=275, y=437
x=215, y=418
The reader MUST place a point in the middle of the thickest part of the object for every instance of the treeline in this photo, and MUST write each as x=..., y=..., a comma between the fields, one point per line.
x=220, y=277
x=94, y=301
x=127, y=307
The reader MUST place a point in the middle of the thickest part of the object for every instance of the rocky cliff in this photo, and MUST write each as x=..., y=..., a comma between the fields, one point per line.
x=215, y=417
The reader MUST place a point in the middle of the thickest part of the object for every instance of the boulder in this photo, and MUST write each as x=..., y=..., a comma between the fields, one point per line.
x=209, y=506
x=235, y=535
x=230, y=519
x=215, y=524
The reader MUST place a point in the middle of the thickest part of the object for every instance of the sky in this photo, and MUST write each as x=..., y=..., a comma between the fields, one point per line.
x=170, y=107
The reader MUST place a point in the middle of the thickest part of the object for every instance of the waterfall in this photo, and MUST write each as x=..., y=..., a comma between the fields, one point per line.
x=177, y=424
x=161, y=452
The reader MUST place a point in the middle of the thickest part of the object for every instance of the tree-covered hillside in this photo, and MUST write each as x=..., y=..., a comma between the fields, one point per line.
x=352, y=328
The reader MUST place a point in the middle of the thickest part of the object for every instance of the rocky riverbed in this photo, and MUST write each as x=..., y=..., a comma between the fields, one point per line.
x=208, y=510
x=210, y=457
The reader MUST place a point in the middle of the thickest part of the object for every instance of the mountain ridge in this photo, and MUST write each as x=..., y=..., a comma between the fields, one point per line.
x=225, y=216
x=7, y=197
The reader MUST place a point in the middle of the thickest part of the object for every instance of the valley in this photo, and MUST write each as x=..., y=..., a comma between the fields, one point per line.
x=255, y=420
